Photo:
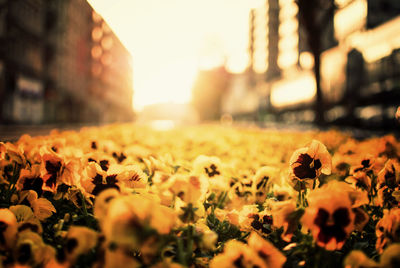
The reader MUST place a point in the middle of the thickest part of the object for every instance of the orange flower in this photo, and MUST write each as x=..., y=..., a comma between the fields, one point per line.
x=95, y=179
x=237, y=254
x=51, y=170
x=209, y=238
x=388, y=184
x=261, y=182
x=397, y=115
x=282, y=213
x=389, y=176
x=8, y=228
x=42, y=208
x=262, y=222
x=367, y=163
x=329, y=217
x=361, y=180
x=102, y=203
x=390, y=258
x=29, y=179
x=127, y=217
x=283, y=191
x=266, y=251
x=357, y=197
x=26, y=219
x=387, y=146
x=388, y=229
x=12, y=153
x=357, y=259
x=190, y=189
x=209, y=166
x=309, y=162
x=132, y=177
x=79, y=240
x=119, y=257
x=30, y=250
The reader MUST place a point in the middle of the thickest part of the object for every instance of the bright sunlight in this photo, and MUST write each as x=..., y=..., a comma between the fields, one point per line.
x=171, y=39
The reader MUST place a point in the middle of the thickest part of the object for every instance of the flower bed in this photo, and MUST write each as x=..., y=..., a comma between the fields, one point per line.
x=202, y=196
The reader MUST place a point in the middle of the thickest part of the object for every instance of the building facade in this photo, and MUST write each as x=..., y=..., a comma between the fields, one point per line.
x=61, y=63
x=359, y=61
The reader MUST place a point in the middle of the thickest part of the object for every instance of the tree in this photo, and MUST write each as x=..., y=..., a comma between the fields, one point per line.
x=315, y=17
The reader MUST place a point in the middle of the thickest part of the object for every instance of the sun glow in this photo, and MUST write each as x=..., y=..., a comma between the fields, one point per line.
x=171, y=39
x=170, y=82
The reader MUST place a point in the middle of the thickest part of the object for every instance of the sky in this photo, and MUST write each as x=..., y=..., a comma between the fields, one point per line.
x=171, y=39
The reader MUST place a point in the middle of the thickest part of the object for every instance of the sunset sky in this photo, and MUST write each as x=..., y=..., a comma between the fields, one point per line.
x=171, y=39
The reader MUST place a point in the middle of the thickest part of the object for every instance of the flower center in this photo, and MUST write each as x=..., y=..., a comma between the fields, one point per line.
x=212, y=170
x=306, y=167
x=332, y=226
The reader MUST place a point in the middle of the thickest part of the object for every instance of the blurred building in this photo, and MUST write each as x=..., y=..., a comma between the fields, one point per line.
x=22, y=71
x=360, y=62
x=208, y=91
x=274, y=56
x=60, y=62
x=361, y=74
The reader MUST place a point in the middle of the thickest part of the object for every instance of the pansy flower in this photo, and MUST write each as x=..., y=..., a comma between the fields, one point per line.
x=390, y=257
x=102, y=203
x=231, y=216
x=128, y=218
x=237, y=254
x=208, y=237
x=284, y=215
x=29, y=179
x=51, y=170
x=115, y=257
x=365, y=164
x=209, y=166
x=75, y=194
x=388, y=184
x=283, y=191
x=42, y=207
x=103, y=160
x=248, y=216
x=360, y=174
x=309, y=162
x=388, y=147
x=149, y=250
x=388, y=229
x=30, y=250
x=241, y=190
x=161, y=163
x=358, y=259
x=79, y=240
x=262, y=223
x=132, y=176
x=121, y=224
x=190, y=189
x=266, y=251
x=361, y=180
x=329, y=217
x=8, y=229
x=261, y=182
x=397, y=114
x=26, y=219
x=11, y=154
x=358, y=198
x=96, y=179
